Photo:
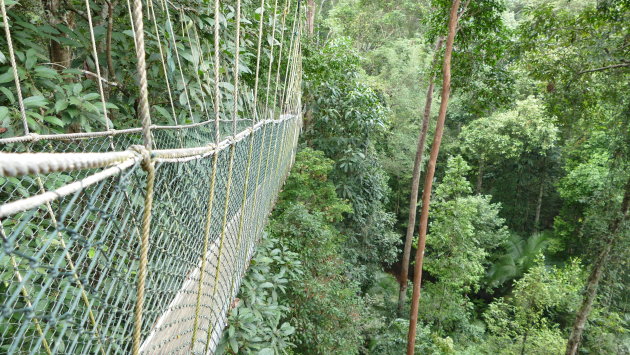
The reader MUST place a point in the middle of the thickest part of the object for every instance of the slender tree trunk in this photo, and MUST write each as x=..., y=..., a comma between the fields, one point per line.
x=541, y=192
x=111, y=74
x=310, y=16
x=415, y=184
x=428, y=182
x=58, y=53
x=479, y=176
x=524, y=342
x=593, y=280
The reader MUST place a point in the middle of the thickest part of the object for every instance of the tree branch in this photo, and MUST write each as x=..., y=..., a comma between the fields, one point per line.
x=613, y=66
x=87, y=73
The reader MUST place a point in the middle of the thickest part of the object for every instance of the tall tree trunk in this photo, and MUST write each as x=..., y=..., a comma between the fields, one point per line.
x=428, y=182
x=541, y=192
x=479, y=176
x=310, y=16
x=415, y=184
x=111, y=73
x=593, y=280
x=58, y=53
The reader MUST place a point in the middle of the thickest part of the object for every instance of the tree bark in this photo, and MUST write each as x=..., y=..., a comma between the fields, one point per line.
x=310, y=16
x=428, y=182
x=479, y=183
x=593, y=280
x=58, y=53
x=415, y=185
x=523, y=343
x=111, y=74
x=541, y=192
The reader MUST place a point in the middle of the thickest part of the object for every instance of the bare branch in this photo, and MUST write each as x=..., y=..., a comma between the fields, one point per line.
x=85, y=72
x=613, y=66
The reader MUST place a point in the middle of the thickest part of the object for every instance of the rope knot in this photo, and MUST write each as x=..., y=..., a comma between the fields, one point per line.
x=146, y=156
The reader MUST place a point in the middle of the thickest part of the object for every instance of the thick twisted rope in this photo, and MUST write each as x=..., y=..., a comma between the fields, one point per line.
x=16, y=77
x=141, y=67
x=18, y=164
x=147, y=165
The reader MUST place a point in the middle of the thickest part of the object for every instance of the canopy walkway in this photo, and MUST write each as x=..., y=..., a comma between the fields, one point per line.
x=128, y=239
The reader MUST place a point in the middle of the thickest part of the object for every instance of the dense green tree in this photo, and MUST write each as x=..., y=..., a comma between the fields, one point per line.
x=464, y=230
x=259, y=321
x=326, y=306
x=346, y=119
x=527, y=321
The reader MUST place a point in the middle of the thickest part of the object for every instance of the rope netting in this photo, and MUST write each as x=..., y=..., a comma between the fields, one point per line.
x=123, y=239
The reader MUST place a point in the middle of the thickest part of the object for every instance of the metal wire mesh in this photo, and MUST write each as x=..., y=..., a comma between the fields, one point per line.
x=69, y=267
x=71, y=239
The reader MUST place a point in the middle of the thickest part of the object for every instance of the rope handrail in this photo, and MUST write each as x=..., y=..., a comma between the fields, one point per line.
x=18, y=164
x=32, y=137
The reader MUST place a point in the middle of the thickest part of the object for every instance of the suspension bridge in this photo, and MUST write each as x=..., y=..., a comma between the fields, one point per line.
x=134, y=237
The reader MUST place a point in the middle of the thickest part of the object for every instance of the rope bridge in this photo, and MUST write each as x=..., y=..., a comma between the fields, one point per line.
x=122, y=239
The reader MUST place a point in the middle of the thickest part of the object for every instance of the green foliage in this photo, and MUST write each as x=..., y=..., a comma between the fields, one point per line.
x=389, y=20
x=529, y=318
x=393, y=338
x=57, y=69
x=258, y=323
x=346, y=119
x=482, y=73
x=520, y=255
x=516, y=153
x=507, y=135
x=464, y=230
x=325, y=303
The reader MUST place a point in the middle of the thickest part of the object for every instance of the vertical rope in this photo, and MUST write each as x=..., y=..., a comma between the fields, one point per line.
x=71, y=265
x=290, y=71
x=141, y=66
x=279, y=62
x=241, y=221
x=24, y=291
x=256, y=118
x=217, y=94
x=147, y=165
x=222, y=238
x=260, y=35
x=196, y=63
x=249, y=152
x=179, y=62
x=280, y=150
x=16, y=77
x=271, y=59
x=206, y=242
x=237, y=45
x=166, y=81
x=88, y=10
